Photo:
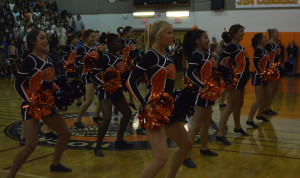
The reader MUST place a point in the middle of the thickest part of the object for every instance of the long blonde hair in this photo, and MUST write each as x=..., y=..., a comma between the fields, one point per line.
x=150, y=33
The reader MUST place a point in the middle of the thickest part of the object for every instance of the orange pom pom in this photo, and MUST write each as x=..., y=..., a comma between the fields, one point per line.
x=213, y=88
x=271, y=73
x=127, y=59
x=41, y=102
x=188, y=83
x=89, y=61
x=162, y=105
x=112, y=80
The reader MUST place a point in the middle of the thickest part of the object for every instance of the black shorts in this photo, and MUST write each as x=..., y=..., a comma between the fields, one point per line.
x=257, y=81
x=26, y=116
x=86, y=78
x=72, y=75
x=242, y=81
x=102, y=94
x=203, y=102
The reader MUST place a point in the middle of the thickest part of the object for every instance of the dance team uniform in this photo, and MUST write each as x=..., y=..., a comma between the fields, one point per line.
x=260, y=63
x=199, y=70
x=106, y=62
x=68, y=56
x=236, y=55
x=160, y=71
x=34, y=73
x=86, y=58
x=274, y=53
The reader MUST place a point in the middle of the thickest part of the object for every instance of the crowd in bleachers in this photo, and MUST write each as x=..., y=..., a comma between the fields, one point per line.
x=20, y=16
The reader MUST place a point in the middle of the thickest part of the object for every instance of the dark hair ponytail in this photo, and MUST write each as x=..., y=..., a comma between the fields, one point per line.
x=228, y=36
x=189, y=42
x=256, y=39
x=31, y=38
x=121, y=30
x=187, y=45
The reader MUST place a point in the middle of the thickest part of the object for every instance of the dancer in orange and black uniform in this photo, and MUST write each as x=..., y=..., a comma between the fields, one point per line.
x=37, y=71
x=68, y=58
x=216, y=50
x=99, y=45
x=236, y=55
x=274, y=52
x=200, y=67
x=129, y=53
x=260, y=62
x=161, y=73
x=111, y=60
x=86, y=57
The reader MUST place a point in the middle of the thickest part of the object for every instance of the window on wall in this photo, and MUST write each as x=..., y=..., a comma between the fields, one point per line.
x=161, y=2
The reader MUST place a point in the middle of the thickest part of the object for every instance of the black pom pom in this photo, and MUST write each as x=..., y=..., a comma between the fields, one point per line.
x=227, y=74
x=184, y=102
x=64, y=96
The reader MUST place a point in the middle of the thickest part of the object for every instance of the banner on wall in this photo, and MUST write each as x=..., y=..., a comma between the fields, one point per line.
x=266, y=3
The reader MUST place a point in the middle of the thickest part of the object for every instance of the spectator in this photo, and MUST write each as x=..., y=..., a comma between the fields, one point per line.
x=1, y=52
x=281, y=51
x=178, y=55
x=18, y=20
x=15, y=12
x=11, y=4
x=79, y=24
x=70, y=21
x=292, y=51
x=62, y=37
x=12, y=52
x=53, y=6
x=53, y=42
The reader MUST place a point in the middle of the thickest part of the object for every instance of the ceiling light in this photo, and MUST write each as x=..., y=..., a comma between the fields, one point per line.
x=178, y=13
x=143, y=14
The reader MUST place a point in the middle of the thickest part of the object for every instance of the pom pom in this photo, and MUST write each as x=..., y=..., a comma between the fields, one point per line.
x=69, y=67
x=184, y=102
x=64, y=96
x=213, y=87
x=112, y=80
x=228, y=76
x=188, y=83
x=162, y=106
x=89, y=61
x=271, y=73
x=127, y=59
x=41, y=102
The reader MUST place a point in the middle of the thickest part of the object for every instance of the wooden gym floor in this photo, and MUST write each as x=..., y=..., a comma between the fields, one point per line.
x=273, y=150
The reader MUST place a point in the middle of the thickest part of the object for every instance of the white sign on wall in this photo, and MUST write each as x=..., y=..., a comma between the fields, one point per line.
x=266, y=3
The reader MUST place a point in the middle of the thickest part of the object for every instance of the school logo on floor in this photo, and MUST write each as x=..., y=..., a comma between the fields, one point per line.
x=86, y=138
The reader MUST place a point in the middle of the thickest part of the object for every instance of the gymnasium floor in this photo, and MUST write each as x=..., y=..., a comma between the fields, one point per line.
x=272, y=151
